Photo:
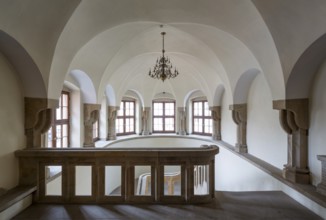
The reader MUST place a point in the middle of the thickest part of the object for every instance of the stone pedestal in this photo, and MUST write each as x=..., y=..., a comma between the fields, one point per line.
x=321, y=187
x=182, y=121
x=112, y=116
x=145, y=120
x=91, y=115
x=239, y=116
x=216, y=117
x=294, y=121
x=38, y=119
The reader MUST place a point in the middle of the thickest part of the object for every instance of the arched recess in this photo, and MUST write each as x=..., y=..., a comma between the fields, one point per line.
x=138, y=96
x=86, y=86
x=301, y=78
x=29, y=73
x=219, y=91
x=187, y=97
x=110, y=95
x=243, y=84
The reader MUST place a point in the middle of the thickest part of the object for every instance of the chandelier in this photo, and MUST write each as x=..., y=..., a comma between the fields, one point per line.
x=163, y=67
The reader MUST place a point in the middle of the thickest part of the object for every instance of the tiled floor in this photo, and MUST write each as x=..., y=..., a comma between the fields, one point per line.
x=227, y=206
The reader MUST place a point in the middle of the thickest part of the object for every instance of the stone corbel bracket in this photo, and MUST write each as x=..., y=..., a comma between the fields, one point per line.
x=216, y=117
x=91, y=115
x=294, y=119
x=112, y=115
x=239, y=116
x=38, y=119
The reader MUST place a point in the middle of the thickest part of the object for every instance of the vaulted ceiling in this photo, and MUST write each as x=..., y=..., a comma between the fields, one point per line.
x=106, y=47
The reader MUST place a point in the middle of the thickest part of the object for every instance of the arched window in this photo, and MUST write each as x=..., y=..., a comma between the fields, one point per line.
x=96, y=129
x=125, y=122
x=201, y=118
x=163, y=116
x=58, y=134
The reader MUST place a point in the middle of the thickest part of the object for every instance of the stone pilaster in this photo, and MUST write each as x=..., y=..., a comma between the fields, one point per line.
x=182, y=122
x=145, y=120
x=321, y=187
x=295, y=122
x=91, y=115
x=38, y=119
x=239, y=116
x=216, y=117
x=112, y=116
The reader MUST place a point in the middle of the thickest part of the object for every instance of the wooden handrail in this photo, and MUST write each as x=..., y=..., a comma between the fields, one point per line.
x=33, y=162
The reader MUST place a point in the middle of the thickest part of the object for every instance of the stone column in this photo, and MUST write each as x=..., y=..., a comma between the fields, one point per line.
x=145, y=120
x=91, y=115
x=38, y=119
x=216, y=117
x=321, y=187
x=239, y=115
x=112, y=116
x=182, y=121
x=294, y=120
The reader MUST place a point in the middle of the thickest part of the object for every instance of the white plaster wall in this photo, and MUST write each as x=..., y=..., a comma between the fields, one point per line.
x=103, y=120
x=317, y=131
x=232, y=173
x=265, y=137
x=11, y=124
x=83, y=180
x=228, y=127
x=76, y=125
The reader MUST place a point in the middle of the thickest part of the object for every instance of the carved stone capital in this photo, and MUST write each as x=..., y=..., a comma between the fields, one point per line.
x=38, y=119
x=239, y=116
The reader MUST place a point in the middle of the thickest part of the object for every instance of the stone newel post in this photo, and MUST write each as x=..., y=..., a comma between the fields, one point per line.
x=216, y=117
x=112, y=115
x=38, y=119
x=294, y=121
x=321, y=187
x=145, y=120
x=182, y=121
x=91, y=115
x=239, y=115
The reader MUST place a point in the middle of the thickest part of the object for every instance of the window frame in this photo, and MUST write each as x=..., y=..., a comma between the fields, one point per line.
x=124, y=117
x=202, y=116
x=61, y=122
x=163, y=116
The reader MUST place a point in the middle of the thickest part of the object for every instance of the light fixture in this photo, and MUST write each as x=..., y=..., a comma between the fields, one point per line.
x=163, y=67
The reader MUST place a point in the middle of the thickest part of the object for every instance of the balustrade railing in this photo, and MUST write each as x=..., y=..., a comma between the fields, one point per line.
x=156, y=175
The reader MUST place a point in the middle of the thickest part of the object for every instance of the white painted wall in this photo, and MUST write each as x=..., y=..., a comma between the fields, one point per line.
x=317, y=131
x=228, y=127
x=265, y=137
x=77, y=119
x=11, y=124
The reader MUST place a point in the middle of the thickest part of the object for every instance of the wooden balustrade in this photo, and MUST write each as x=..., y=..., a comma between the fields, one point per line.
x=60, y=174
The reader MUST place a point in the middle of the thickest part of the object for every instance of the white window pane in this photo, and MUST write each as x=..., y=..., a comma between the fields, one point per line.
x=158, y=124
x=207, y=111
x=64, y=112
x=158, y=109
x=58, y=114
x=64, y=100
x=208, y=126
x=58, y=142
x=65, y=142
x=198, y=125
x=169, y=124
